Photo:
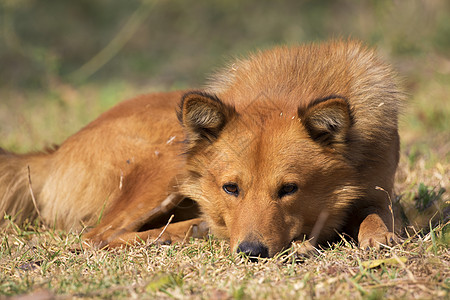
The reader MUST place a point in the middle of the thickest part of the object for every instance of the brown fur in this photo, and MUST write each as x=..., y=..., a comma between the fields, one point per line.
x=274, y=143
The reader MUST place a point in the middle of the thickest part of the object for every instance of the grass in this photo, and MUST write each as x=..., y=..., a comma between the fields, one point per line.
x=41, y=263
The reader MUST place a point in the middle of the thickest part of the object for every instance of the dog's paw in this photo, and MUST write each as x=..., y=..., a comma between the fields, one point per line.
x=200, y=230
x=304, y=250
x=377, y=240
x=95, y=239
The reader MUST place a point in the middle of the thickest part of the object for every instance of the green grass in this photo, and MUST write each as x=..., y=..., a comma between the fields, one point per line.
x=37, y=261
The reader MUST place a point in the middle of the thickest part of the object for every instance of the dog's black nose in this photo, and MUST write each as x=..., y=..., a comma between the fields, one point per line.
x=253, y=249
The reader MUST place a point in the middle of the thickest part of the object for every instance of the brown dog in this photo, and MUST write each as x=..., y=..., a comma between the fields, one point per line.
x=289, y=144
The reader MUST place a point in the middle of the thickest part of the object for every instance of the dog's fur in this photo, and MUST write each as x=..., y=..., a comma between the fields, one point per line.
x=289, y=144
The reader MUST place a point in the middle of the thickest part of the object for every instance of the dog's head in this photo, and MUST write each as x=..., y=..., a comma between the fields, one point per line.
x=263, y=175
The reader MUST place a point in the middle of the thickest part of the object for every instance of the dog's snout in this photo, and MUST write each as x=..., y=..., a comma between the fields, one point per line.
x=253, y=249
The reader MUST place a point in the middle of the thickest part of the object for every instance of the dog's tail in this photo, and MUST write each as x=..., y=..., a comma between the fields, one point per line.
x=21, y=179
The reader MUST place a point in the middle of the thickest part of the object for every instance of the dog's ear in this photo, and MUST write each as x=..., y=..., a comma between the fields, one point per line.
x=327, y=120
x=203, y=116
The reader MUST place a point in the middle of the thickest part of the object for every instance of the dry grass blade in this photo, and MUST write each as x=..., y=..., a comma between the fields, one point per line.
x=162, y=231
x=32, y=193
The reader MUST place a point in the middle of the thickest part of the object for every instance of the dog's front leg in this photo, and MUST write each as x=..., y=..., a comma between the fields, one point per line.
x=172, y=233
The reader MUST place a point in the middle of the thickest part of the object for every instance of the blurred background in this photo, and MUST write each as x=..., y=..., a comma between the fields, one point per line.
x=63, y=62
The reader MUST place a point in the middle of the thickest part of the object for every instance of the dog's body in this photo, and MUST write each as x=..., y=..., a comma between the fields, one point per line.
x=292, y=143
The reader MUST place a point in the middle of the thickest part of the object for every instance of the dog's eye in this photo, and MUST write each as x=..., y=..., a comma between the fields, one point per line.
x=231, y=188
x=287, y=189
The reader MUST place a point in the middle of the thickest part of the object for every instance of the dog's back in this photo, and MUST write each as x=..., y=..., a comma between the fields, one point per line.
x=74, y=184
